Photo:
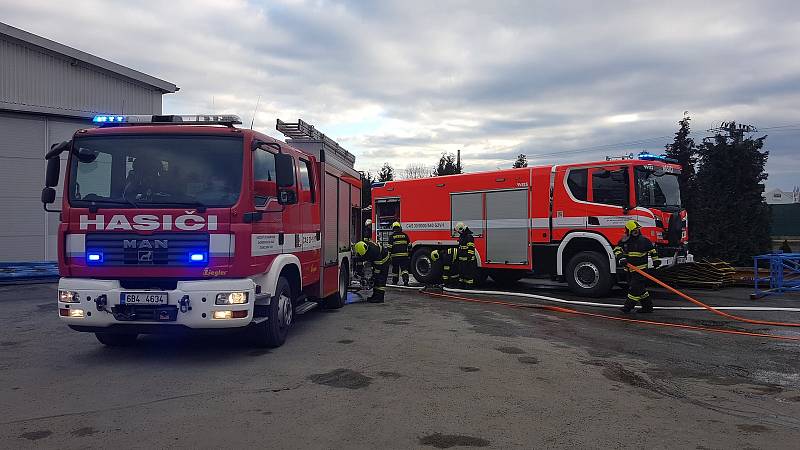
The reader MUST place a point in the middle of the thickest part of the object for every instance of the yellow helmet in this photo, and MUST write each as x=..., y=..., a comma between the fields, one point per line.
x=460, y=227
x=632, y=225
x=360, y=248
x=396, y=225
x=435, y=255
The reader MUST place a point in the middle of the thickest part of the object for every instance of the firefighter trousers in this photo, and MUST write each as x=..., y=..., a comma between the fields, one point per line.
x=638, y=293
x=400, y=269
x=467, y=267
x=380, y=271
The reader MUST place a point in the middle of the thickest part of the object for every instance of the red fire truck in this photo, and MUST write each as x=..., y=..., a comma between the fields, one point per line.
x=561, y=220
x=172, y=222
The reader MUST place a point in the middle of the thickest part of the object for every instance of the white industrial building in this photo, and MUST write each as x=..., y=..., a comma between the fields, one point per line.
x=47, y=91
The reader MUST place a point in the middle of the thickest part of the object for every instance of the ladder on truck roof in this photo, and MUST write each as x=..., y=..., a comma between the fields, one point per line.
x=301, y=131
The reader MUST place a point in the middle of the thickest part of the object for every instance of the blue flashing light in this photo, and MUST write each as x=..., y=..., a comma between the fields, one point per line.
x=651, y=157
x=108, y=119
x=198, y=257
x=94, y=257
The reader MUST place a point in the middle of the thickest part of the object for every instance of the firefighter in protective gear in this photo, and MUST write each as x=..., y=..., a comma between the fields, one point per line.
x=635, y=249
x=467, y=260
x=445, y=261
x=400, y=248
x=379, y=257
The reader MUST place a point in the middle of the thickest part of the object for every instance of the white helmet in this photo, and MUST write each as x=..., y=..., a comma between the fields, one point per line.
x=460, y=227
x=368, y=222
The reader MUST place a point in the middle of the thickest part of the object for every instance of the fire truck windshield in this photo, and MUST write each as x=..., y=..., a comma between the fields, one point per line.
x=156, y=171
x=657, y=189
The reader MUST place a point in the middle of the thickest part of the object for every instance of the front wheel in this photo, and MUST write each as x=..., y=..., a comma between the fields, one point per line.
x=116, y=339
x=588, y=274
x=422, y=267
x=272, y=333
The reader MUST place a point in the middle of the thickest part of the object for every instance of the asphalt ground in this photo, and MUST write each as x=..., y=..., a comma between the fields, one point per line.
x=415, y=372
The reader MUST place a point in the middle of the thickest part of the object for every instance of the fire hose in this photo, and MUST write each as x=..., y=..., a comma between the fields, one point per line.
x=701, y=305
x=710, y=308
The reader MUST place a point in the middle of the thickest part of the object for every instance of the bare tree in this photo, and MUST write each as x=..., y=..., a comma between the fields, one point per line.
x=416, y=170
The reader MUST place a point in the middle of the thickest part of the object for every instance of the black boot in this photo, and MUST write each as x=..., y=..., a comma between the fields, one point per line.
x=647, y=306
x=377, y=297
x=628, y=306
x=405, y=279
x=394, y=281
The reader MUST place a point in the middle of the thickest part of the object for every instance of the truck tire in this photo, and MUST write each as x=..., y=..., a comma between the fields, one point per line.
x=116, y=339
x=272, y=332
x=339, y=299
x=422, y=266
x=506, y=277
x=589, y=275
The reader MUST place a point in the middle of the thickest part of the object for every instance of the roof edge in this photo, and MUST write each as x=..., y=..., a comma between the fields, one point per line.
x=47, y=44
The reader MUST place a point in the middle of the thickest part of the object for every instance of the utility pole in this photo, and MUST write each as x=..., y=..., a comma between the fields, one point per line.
x=458, y=160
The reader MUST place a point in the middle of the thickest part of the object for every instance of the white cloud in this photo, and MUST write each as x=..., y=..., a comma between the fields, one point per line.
x=402, y=81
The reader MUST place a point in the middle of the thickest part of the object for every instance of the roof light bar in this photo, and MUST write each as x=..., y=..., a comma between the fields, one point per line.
x=644, y=156
x=193, y=119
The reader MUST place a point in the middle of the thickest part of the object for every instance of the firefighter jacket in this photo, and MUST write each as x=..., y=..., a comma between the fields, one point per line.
x=466, y=244
x=376, y=254
x=635, y=249
x=400, y=244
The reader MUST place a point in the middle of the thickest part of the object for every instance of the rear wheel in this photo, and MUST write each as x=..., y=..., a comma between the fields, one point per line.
x=116, y=339
x=338, y=299
x=422, y=267
x=273, y=332
x=588, y=274
x=506, y=277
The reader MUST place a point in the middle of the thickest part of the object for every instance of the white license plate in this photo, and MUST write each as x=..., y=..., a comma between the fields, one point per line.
x=143, y=298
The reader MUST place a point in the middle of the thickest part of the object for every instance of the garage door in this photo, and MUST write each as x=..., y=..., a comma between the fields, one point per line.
x=27, y=232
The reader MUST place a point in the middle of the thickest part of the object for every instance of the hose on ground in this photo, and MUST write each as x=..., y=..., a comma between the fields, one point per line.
x=710, y=308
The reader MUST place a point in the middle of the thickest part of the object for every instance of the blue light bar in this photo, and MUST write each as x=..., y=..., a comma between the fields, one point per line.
x=644, y=156
x=108, y=119
x=94, y=257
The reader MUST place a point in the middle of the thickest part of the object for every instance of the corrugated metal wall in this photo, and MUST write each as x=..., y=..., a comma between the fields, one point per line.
x=30, y=77
x=38, y=91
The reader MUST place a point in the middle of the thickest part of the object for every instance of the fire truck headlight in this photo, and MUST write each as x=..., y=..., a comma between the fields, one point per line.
x=231, y=298
x=68, y=297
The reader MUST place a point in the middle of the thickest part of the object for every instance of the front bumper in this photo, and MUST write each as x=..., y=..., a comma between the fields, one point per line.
x=197, y=314
x=669, y=261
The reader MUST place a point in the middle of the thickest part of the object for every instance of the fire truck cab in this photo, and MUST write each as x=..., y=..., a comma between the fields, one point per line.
x=561, y=220
x=171, y=222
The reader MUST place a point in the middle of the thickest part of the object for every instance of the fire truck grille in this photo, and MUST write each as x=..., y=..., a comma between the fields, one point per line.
x=160, y=249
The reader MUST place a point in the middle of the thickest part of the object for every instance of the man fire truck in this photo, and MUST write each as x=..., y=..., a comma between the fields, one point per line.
x=561, y=220
x=188, y=221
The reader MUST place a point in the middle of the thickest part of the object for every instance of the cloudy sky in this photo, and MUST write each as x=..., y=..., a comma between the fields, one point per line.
x=402, y=81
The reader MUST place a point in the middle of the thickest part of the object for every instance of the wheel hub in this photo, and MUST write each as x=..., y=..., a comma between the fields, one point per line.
x=423, y=266
x=284, y=311
x=587, y=275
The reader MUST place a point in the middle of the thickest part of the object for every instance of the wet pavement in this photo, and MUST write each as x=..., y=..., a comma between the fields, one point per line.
x=415, y=372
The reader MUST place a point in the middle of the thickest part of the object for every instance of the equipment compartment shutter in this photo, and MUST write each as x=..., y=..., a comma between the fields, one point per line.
x=329, y=220
x=507, y=227
x=467, y=208
x=344, y=217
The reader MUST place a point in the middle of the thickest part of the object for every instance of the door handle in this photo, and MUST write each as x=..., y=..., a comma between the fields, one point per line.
x=593, y=221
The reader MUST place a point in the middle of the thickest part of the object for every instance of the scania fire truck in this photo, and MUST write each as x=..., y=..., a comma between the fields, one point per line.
x=561, y=220
x=171, y=222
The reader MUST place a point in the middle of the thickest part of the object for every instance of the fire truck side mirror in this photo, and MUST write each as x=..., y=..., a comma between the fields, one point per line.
x=48, y=195
x=53, y=171
x=284, y=170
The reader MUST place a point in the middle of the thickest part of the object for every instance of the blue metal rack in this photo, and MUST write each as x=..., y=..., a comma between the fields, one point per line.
x=784, y=274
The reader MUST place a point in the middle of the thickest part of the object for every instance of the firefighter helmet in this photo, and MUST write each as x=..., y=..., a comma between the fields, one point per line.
x=360, y=248
x=368, y=223
x=396, y=225
x=632, y=225
x=460, y=227
x=435, y=255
